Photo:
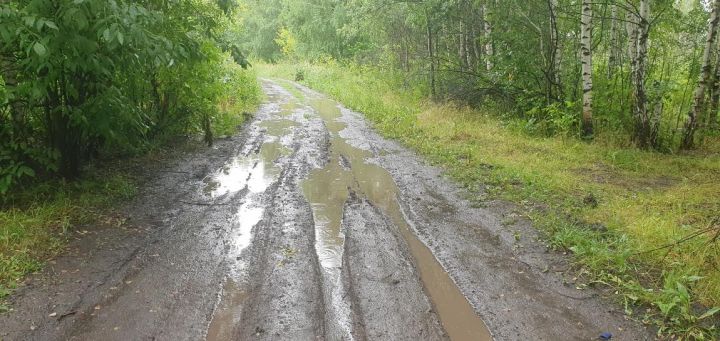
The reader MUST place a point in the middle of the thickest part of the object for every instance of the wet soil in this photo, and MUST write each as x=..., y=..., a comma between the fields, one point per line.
x=307, y=225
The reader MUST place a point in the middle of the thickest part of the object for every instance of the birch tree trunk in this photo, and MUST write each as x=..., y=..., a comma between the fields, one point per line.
x=648, y=132
x=489, y=50
x=699, y=97
x=638, y=28
x=476, y=48
x=555, y=55
x=462, y=50
x=587, y=66
x=712, y=121
x=615, y=54
x=631, y=27
x=431, y=55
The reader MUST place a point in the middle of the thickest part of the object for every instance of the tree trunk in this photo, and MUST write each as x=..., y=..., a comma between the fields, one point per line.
x=462, y=51
x=476, y=54
x=467, y=41
x=615, y=53
x=587, y=67
x=699, y=98
x=431, y=55
x=489, y=49
x=555, y=57
x=712, y=121
x=638, y=32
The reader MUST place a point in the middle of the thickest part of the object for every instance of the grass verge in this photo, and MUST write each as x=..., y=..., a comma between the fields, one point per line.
x=35, y=221
x=643, y=223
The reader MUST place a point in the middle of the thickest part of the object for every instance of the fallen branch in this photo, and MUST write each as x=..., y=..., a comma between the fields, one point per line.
x=712, y=226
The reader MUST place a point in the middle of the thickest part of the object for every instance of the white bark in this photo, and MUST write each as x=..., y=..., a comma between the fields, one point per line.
x=699, y=97
x=556, y=48
x=615, y=52
x=640, y=68
x=638, y=28
x=587, y=66
x=489, y=50
x=632, y=32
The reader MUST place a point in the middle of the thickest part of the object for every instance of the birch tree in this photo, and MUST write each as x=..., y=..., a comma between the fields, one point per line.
x=431, y=53
x=638, y=27
x=712, y=121
x=615, y=52
x=698, y=106
x=555, y=49
x=587, y=66
x=489, y=49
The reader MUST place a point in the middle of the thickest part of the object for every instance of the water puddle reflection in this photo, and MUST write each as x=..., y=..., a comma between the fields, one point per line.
x=328, y=188
x=278, y=127
x=255, y=172
x=247, y=217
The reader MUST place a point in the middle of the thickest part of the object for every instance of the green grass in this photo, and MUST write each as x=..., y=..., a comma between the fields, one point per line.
x=608, y=205
x=35, y=221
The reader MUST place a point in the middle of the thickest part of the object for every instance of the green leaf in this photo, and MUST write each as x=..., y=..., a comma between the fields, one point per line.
x=29, y=21
x=25, y=170
x=709, y=313
x=121, y=38
x=40, y=49
x=51, y=25
x=694, y=278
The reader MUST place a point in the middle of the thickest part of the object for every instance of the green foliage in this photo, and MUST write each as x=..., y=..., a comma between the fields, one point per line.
x=86, y=77
x=524, y=60
x=262, y=22
x=550, y=120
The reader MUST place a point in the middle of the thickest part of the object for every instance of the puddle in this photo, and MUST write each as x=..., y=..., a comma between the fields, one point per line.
x=288, y=108
x=228, y=313
x=247, y=217
x=327, y=190
x=278, y=127
x=256, y=172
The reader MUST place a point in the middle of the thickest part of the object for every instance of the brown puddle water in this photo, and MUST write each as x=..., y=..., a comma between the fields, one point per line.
x=255, y=172
x=228, y=313
x=327, y=190
x=278, y=127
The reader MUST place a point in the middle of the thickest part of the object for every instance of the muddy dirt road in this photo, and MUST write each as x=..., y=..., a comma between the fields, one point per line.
x=308, y=226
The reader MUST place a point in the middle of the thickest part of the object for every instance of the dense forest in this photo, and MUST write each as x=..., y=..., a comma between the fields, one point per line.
x=88, y=77
x=648, y=69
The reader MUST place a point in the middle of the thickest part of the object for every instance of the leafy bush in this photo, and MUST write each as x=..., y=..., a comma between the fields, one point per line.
x=91, y=76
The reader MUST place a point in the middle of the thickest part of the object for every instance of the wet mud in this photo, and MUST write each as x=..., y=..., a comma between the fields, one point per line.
x=307, y=225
